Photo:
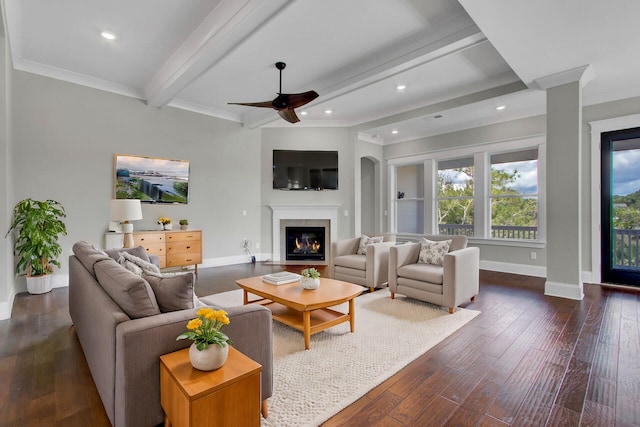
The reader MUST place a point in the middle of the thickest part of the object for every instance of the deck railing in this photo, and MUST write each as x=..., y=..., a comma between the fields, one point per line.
x=497, y=231
x=626, y=251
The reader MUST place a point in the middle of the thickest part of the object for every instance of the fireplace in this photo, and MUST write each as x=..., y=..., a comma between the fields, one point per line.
x=305, y=243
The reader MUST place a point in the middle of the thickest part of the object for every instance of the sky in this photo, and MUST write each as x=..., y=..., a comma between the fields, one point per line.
x=626, y=172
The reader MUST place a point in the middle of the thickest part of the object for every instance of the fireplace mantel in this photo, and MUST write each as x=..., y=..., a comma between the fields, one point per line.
x=301, y=212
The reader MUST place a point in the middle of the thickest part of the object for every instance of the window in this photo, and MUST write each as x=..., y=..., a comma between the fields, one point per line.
x=455, y=202
x=514, y=195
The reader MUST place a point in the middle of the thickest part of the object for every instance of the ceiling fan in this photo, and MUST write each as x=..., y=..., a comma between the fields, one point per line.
x=284, y=103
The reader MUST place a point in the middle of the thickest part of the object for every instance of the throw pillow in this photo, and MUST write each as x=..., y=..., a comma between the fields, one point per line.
x=366, y=241
x=133, y=294
x=433, y=252
x=173, y=291
x=139, y=262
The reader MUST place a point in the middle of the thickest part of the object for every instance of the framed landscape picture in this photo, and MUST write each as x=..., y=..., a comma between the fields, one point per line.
x=150, y=179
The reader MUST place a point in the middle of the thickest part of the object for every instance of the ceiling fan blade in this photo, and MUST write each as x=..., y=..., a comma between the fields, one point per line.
x=289, y=115
x=265, y=104
x=297, y=100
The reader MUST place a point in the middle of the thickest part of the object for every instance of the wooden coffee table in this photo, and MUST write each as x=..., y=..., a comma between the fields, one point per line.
x=305, y=310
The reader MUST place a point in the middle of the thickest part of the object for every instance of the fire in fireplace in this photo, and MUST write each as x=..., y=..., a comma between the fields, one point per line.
x=305, y=243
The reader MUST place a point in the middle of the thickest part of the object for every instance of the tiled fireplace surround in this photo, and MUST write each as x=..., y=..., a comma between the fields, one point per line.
x=299, y=216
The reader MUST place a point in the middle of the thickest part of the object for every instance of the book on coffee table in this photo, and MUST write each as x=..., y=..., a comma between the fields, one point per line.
x=280, y=278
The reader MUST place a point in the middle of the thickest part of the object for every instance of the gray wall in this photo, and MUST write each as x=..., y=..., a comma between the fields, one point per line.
x=518, y=129
x=7, y=282
x=64, y=140
x=307, y=139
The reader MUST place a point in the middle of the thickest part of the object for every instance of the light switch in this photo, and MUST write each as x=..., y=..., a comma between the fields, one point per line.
x=244, y=212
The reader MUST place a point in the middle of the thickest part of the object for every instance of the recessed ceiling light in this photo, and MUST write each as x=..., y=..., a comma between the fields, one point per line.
x=394, y=131
x=501, y=107
x=328, y=111
x=401, y=87
x=107, y=35
x=303, y=113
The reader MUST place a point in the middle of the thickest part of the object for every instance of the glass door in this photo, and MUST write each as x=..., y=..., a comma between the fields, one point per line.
x=620, y=206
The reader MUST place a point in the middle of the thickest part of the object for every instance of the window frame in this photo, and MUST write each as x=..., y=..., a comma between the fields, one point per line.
x=482, y=188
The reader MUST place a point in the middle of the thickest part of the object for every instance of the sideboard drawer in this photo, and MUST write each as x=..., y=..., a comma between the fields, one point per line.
x=154, y=248
x=176, y=260
x=143, y=239
x=188, y=247
x=183, y=236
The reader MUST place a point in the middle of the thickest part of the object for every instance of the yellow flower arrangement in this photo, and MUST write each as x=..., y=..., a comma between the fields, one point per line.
x=205, y=329
x=164, y=220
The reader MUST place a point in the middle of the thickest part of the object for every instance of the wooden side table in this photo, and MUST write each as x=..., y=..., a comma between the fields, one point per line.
x=229, y=396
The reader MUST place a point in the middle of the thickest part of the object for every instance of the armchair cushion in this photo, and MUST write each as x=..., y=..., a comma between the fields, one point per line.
x=366, y=241
x=358, y=262
x=423, y=272
x=433, y=252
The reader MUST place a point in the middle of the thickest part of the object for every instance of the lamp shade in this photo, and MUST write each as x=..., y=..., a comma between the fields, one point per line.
x=125, y=210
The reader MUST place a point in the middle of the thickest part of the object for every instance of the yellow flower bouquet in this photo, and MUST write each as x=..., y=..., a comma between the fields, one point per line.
x=164, y=220
x=205, y=329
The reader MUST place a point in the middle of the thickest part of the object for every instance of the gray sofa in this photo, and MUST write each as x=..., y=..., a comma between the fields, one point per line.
x=123, y=351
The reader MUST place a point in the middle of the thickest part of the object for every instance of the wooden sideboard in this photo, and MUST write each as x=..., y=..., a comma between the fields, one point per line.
x=175, y=248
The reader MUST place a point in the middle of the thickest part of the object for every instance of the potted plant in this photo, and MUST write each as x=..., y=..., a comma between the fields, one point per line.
x=165, y=222
x=184, y=224
x=39, y=225
x=310, y=278
x=210, y=348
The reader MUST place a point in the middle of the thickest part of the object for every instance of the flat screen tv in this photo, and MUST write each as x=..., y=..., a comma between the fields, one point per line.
x=305, y=170
x=150, y=179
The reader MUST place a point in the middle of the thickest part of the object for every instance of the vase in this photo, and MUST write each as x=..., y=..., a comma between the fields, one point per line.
x=209, y=359
x=309, y=283
x=39, y=284
x=168, y=226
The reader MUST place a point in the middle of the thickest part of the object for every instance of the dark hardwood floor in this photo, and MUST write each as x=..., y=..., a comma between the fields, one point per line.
x=526, y=360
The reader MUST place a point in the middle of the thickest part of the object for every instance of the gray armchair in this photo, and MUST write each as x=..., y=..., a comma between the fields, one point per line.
x=448, y=285
x=370, y=270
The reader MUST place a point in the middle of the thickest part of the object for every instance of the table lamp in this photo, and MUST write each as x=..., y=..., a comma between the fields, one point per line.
x=123, y=211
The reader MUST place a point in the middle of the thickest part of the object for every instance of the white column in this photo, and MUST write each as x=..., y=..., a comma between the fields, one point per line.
x=564, y=182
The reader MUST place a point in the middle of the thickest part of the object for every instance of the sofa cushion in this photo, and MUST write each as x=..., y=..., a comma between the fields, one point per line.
x=88, y=255
x=345, y=271
x=132, y=293
x=136, y=264
x=359, y=262
x=137, y=251
x=173, y=291
x=366, y=241
x=433, y=252
x=422, y=272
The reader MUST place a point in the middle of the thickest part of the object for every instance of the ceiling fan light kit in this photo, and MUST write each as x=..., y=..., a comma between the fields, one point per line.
x=285, y=103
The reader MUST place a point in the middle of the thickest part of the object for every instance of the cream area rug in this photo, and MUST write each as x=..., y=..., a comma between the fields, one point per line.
x=312, y=386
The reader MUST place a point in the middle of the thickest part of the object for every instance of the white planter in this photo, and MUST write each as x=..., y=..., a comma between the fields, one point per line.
x=309, y=283
x=168, y=226
x=209, y=359
x=39, y=284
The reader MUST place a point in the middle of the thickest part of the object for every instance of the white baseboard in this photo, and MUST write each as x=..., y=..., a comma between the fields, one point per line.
x=507, y=267
x=6, y=306
x=563, y=290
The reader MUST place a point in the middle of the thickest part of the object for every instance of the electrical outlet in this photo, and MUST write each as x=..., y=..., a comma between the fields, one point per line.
x=346, y=213
x=244, y=212
x=534, y=255
x=257, y=245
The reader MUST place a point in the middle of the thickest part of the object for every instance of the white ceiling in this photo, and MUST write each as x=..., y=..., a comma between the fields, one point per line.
x=458, y=60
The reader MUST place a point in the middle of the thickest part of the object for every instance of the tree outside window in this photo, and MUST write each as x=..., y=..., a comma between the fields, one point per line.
x=455, y=196
x=514, y=195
